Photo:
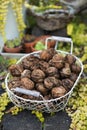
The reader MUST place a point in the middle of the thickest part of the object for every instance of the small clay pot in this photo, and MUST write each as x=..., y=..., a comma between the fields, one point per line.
x=28, y=43
x=12, y=50
x=50, y=44
x=27, y=47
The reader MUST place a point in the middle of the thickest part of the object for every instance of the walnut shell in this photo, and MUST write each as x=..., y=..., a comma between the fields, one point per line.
x=51, y=71
x=58, y=57
x=57, y=61
x=57, y=64
x=47, y=54
x=40, y=87
x=43, y=65
x=50, y=82
x=47, y=97
x=67, y=83
x=37, y=75
x=26, y=73
x=32, y=58
x=75, y=68
x=73, y=77
x=16, y=69
x=27, y=83
x=58, y=91
x=14, y=83
x=70, y=59
x=28, y=97
x=28, y=63
x=65, y=72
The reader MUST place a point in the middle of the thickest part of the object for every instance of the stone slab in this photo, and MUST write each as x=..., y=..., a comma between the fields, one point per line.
x=23, y=121
x=60, y=121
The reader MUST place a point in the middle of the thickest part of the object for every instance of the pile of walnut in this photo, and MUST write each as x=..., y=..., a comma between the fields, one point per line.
x=51, y=73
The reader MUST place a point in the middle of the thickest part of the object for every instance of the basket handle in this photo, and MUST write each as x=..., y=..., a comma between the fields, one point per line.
x=27, y=92
x=60, y=39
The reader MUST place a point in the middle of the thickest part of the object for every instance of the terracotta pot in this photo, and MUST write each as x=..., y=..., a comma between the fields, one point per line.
x=12, y=50
x=30, y=46
x=27, y=43
x=27, y=47
x=50, y=44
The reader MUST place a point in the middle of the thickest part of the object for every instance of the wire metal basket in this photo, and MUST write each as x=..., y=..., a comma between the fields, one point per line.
x=52, y=105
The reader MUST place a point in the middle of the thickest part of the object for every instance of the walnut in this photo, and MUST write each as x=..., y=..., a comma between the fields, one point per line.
x=57, y=64
x=67, y=83
x=26, y=73
x=37, y=75
x=50, y=82
x=27, y=83
x=28, y=63
x=47, y=54
x=57, y=75
x=16, y=69
x=58, y=91
x=43, y=65
x=51, y=71
x=65, y=72
x=32, y=58
x=58, y=57
x=28, y=97
x=70, y=59
x=73, y=77
x=57, y=61
x=34, y=61
x=75, y=68
x=47, y=97
x=14, y=83
x=41, y=88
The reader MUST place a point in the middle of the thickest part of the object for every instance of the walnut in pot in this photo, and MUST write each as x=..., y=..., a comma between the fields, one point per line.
x=43, y=65
x=70, y=59
x=47, y=54
x=57, y=61
x=73, y=77
x=66, y=71
x=14, y=83
x=32, y=58
x=27, y=83
x=50, y=82
x=26, y=64
x=67, y=83
x=16, y=69
x=58, y=91
x=41, y=88
x=58, y=57
x=75, y=68
x=26, y=73
x=48, y=97
x=37, y=75
x=30, y=64
x=51, y=71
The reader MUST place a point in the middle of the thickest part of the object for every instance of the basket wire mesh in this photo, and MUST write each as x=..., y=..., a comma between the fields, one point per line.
x=52, y=105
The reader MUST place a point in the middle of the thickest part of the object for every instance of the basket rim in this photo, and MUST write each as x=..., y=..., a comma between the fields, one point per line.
x=43, y=101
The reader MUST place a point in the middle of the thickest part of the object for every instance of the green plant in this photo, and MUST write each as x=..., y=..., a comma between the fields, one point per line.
x=39, y=45
x=43, y=2
x=13, y=43
x=17, y=7
x=77, y=30
x=43, y=5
